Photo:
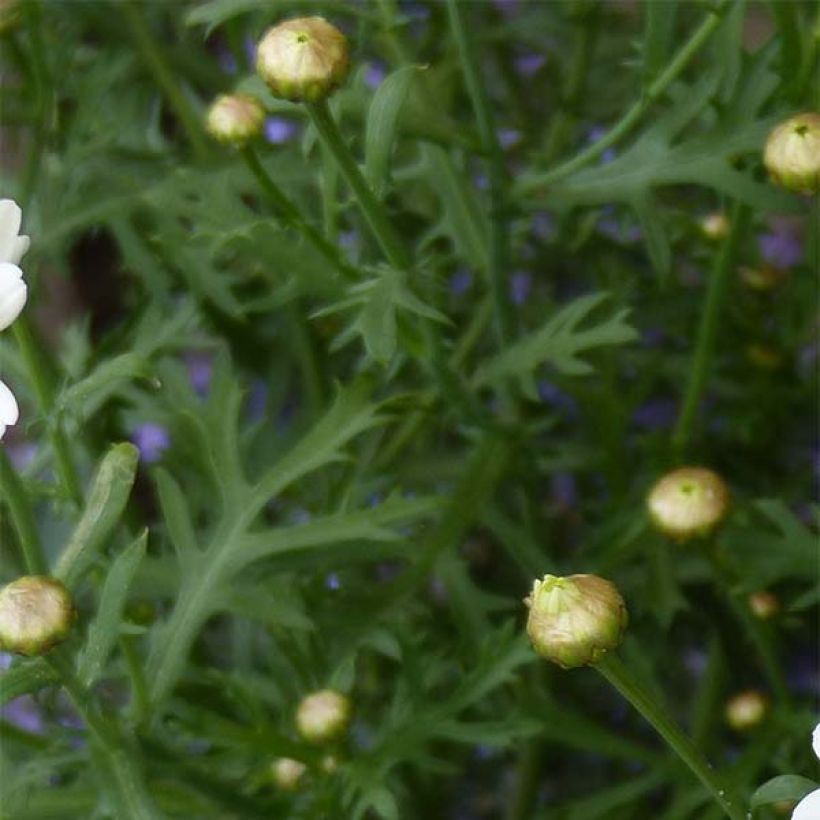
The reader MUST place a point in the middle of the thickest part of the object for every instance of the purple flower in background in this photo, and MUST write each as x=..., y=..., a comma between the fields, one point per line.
x=596, y=133
x=257, y=400
x=543, y=225
x=781, y=248
x=24, y=713
x=332, y=581
x=227, y=61
x=21, y=453
x=349, y=241
x=460, y=282
x=481, y=181
x=528, y=65
x=200, y=369
x=250, y=49
x=151, y=440
x=279, y=130
x=563, y=489
x=657, y=414
x=374, y=73
x=549, y=393
x=520, y=287
x=507, y=7
x=653, y=336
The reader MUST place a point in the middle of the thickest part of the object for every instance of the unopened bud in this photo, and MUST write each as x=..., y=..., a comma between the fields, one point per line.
x=746, y=710
x=792, y=154
x=323, y=716
x=688, y=502
x=573, y=621
x=235, y=118
x=715, y=226
x=36, y=613
x=288, y=773
x=303, y=60
x=764, y=604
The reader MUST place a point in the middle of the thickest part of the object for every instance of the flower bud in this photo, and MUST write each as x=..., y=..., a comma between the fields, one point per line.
x=9, y=411
x=792, y=153
x=36, y=613
x=13, y=293
x=304, y=59
x=323, y=716
x=573, y=621
x=715, y=226
x=746, y=710
x=688, y=502
x=287, y=773
x=764, y=604
x=235, y=119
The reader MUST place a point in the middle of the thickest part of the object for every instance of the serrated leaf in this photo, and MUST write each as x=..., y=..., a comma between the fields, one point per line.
x=560, y=342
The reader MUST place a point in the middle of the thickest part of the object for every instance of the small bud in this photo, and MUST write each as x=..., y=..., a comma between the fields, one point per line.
x=323, y=716
x=304, y=59
x=764, y=604
x=330, y=764
x=573, y=621
x=688, y=502
x=792, y=153
x=715, y=226
x=36, y=613
x=287, y=773
x=746, y=710
x=235, y=118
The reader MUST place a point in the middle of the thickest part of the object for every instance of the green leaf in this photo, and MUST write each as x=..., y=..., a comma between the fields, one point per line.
x=559, y=342
x=25, y=677
x=659, y=32
x=649, y=215
x=83, y=398
x=104, y=630
x=177, y=519
x=783, y=787
x=106, y=502
x=382, y=117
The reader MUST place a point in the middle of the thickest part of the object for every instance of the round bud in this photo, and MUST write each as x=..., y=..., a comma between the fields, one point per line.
x=235, y=118
x=36, y=613
x=792, y=153
x=573, y=621
x=746, y=710
x=303, y=60
x=764, y=604
x=715, y=226
x=287, y=773
x=688, y=502
x=323, y=716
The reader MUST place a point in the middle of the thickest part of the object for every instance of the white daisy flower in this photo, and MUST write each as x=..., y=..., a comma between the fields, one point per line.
x=13, y=293
x=12, y=244
x=809, y=807
x=9, y=412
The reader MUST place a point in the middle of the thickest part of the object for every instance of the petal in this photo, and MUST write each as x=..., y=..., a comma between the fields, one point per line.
x=815, y=740
x=21, y=245
x=9, y=412
x=10, y=218
x=809, y=807
x=13, y=293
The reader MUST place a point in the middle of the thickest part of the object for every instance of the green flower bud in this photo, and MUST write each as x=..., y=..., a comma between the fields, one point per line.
x=36, y=613
x=715, y=226
x=688, y=502
x=303, y=60
x=792, y=154
x=746, y=710
x=764, y=604
x=235, y=118
x=573, y=621
x=323, y=716
x=288, y=773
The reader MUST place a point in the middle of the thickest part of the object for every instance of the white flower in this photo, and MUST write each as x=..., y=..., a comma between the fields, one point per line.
x=12, y=245
x=809, y=807
x=9, y=412
x=13, y=293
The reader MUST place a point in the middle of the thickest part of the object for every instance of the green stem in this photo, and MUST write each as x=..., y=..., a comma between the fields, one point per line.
x=636, y=112
x=164, y=77
x=707, y=333
x=389, y=241
x=291, y=214
x=14, y=494
x=614, y=670
x=497, y=174
x=43, y=389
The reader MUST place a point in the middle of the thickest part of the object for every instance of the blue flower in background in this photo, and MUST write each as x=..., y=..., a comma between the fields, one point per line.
x=374, y=74
x=279, y=130
x=657, y=414
x=520, y=287
x=151, y=440
x=780, y=248
x=460, y=282
x=549, y=393
x=528, y=65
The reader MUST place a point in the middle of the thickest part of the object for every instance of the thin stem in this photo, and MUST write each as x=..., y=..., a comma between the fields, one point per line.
x=155, y=62
x=22, y=516
x=614, y=670
x=636, y=112
x=290, y=212
x=497, y=174
x=707, y=333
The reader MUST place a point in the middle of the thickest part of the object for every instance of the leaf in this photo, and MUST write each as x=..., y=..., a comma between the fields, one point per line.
x=782, y=787
x=106, y=502
x=177, y=519
x=27, y=676
x=83, y=398
x=649, y=215
x=659, y=32
x=559, y=342
x=104, y=630
x=382, y=118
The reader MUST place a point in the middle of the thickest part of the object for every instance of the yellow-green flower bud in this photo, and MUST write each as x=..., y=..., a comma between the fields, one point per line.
x=235, y=118
x=746, y=710
x=36, y=613
x=715, y=226
x=764, y=604
x=688, y=502
x=303, y=60
x=573, y=621
x=323, y=716
x=792, y=154
x=288, y=773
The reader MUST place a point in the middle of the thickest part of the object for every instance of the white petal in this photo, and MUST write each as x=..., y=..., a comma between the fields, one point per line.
x=815, y=740
x=9, y=412
x=20, y=247
x=10, y=218
x=13, y=293
x=809, y=807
